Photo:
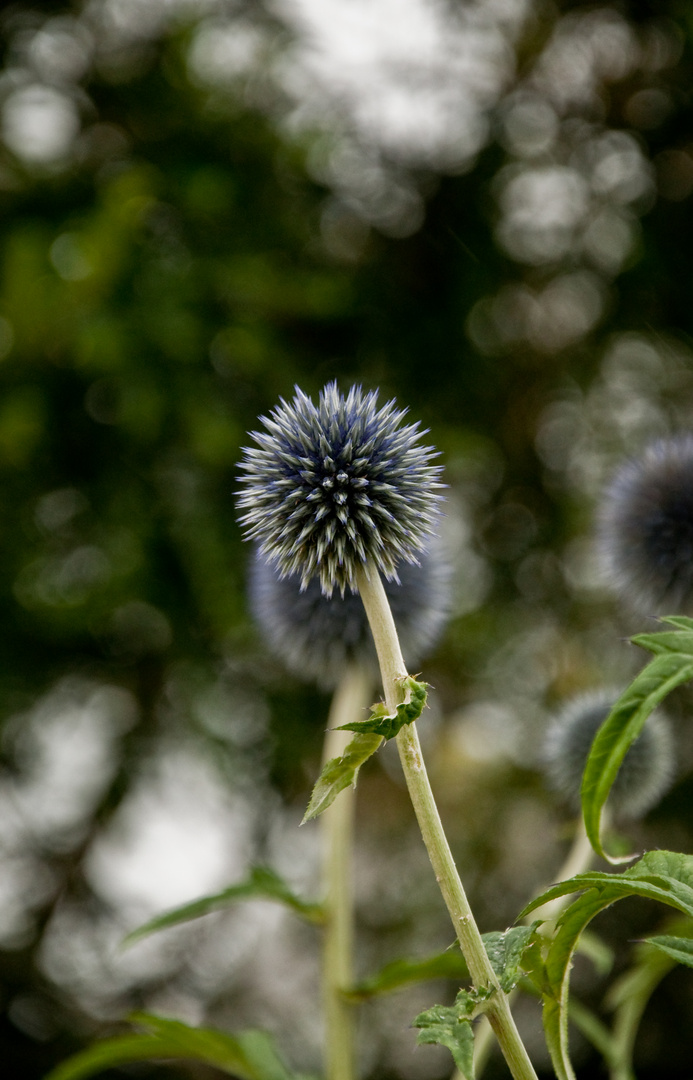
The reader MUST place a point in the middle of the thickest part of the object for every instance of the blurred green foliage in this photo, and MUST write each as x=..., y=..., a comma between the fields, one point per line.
x=180, y=268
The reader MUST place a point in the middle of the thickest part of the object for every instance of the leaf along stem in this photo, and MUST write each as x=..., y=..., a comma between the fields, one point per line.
x=393, y=672
x=350, y=700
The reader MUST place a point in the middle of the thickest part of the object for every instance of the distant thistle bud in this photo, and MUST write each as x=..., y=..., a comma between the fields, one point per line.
x=646, y=528
x=335, y=486
x=646, y=771
x=317, y=637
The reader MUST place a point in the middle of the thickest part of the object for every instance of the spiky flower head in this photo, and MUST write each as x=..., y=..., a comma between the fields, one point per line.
x=336, y=486
x=646, y=528
x=646, y=771
x=318, y=637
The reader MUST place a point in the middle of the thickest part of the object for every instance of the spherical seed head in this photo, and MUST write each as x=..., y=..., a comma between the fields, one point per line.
x=332, y=487
x=646, y=528
x=646, y=771
x=317, y=637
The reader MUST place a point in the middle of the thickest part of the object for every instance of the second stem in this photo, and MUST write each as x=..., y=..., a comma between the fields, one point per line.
x=349, y=702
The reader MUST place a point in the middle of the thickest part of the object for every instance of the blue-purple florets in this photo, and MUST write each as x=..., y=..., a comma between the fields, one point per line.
x=646, y=528
x=332, y=487
x=646, y=771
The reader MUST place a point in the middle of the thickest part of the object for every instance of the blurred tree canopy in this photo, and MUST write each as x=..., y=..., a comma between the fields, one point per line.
x=486, y=216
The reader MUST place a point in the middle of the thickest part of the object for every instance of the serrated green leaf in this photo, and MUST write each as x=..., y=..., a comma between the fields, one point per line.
x=248, y=1056
x=678, y=948
x=535, y=980
x=450, y=1026
x=254, y=1048
x=459, y=1040
x=678, y=641
x=339, y=772
x=380, y=722
x=666, y=642
x=628, y=997
x=468, y=1003
x=506, y=951
x=262, y=883
x=448, y=965
x=660, y=875
x=671, y=666
x=109, y=1054
x=666, y=876
x=682, y=621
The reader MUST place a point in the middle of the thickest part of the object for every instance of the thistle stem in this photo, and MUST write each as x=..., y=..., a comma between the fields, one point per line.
x=483, y=976
x=350, y=699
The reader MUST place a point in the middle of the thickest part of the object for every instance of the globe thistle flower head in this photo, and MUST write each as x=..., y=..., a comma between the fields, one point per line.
x=317, y=637
x=646, y=771
x=646, y=528
x=332, y=487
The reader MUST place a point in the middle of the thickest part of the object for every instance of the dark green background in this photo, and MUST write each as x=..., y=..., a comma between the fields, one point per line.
x=124, y=401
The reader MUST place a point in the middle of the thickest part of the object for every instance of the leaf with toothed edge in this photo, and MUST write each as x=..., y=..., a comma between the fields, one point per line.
x=249, y=1055
x=629, y=996
x=447, y=965
x=339, y=772
x=262, y=883
x=677, y=948
x=451, y=1026
x=660, y=875
x=386, y=724
x=671, y=666
x=507, y=950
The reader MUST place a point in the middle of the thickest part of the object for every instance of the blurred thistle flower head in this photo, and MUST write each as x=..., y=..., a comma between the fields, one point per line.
x=646, y=529
x=646, y=772
x=332, y=487
x=317, y=637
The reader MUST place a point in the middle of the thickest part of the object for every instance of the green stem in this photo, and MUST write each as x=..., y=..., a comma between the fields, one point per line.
x=578, y=861
x=351, y=698
x=482, y=974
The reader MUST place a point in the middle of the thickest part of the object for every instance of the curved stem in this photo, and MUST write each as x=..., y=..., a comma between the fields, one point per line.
x=577, y=861
x=392, y=670
x=351, y=698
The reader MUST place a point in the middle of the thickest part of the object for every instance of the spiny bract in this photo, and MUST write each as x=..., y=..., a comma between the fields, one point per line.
x=646, y=771
x=646, y=528
x=336, y=486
